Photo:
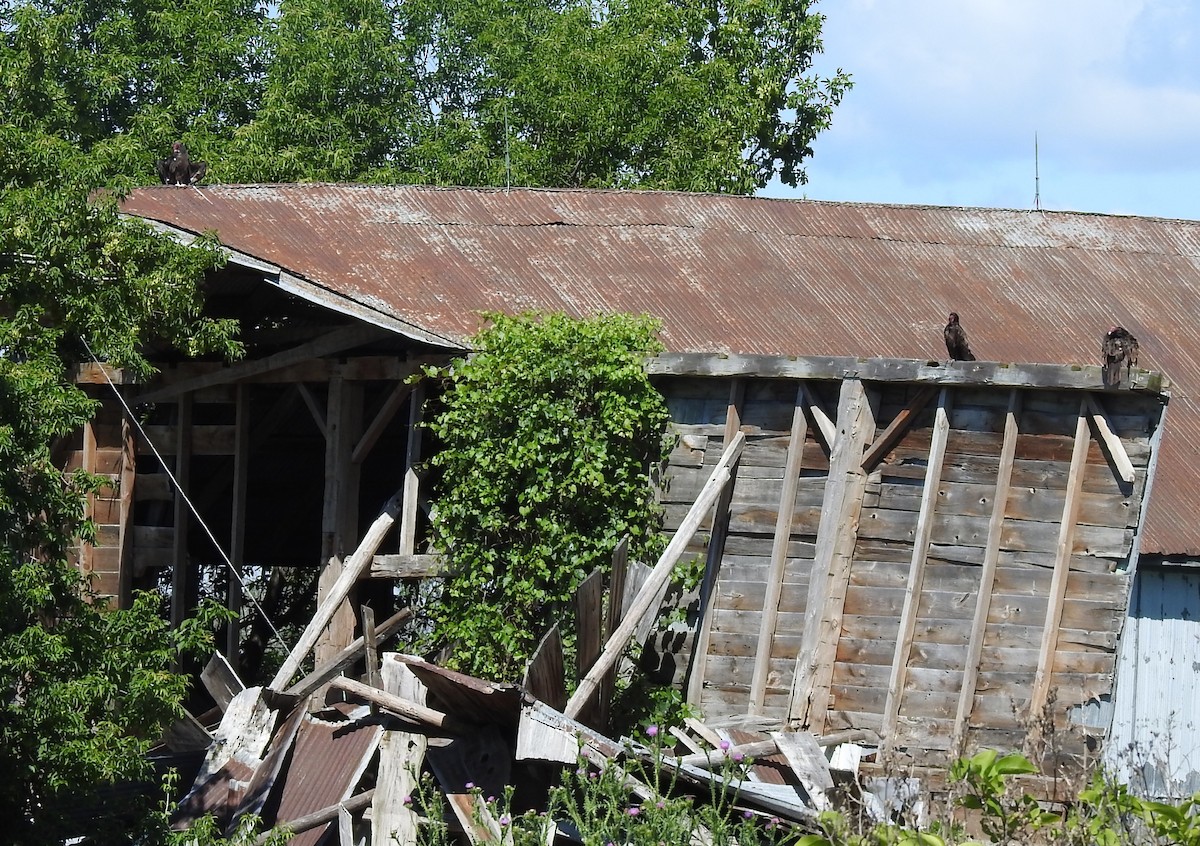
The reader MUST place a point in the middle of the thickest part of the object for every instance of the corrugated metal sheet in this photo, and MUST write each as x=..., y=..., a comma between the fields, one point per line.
x=328, y=759
x=1155, y=740
x=746, y=275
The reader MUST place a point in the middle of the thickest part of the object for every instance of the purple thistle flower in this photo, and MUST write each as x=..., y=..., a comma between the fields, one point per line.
x=470, y=785
x=724, y=745
x=748, y=814
x=737, y=756
x=506, y=820
x=651, y=731
x=634, y=811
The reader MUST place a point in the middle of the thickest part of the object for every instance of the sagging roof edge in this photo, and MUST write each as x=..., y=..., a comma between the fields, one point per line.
x=313, y=292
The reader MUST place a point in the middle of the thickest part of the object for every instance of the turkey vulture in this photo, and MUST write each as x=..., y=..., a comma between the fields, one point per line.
x=1119, y=346
x=179, y=169
x=956, y=340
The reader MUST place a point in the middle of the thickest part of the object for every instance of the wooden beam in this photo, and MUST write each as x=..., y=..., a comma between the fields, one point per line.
x=316, y=818
x=896, y=429
x=314, y=408
x=412, y=484
x=612, y=619
x=354, y=567
x=825, y=426
x=715, y=552
x=1062, y=566
x=779, y=547
x=987, y=578
x=1109, y=440
x=336, y=665
x=237, y=524
x=407, y=566
x=339, y=340
x=339, y=517
x=916, y=572
x=180, y=565
x=380, y=422
x=399, y=706
x=655, y=587
x=368, y=641
x=837, y=532
x=930, y=372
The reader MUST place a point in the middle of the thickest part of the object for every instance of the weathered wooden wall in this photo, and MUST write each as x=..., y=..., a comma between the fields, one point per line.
x=983, y=546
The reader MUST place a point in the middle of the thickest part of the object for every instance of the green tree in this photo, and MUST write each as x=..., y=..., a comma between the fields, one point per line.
x=82, y=693
x=548, y=434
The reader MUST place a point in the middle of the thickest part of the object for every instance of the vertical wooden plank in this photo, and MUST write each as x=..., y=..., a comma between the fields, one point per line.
x=916, y=570
x=779, y=546
x=716, y=550
x=987, y=578
x=616, y=595
x=1062, y=565
x=179, y=557
x=372, y=653
x=545, y=677
x=836, y=535
x=128, y=479
x=339, y=520
x=589, y=607
x=412, y=455
x=237, y=529
x=401, y=755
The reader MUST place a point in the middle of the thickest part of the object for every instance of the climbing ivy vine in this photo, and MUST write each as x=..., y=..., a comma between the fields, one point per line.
x=548, y=436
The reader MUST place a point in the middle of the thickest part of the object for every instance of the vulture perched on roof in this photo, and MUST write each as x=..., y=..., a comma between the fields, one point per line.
x=179, y=169
x=1119, y=346
x=956, y=340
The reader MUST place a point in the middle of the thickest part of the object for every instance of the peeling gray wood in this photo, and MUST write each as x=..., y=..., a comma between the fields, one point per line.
x=401, y=754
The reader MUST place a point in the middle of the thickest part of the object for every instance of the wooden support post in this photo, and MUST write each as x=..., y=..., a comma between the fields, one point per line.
x=612, y=619
x=779, y=548
x=412, y=455
x=716, y=550
x=916, y=572
x=641, y=612
x=987, y=578
x=837, y=533
x=180, y=565
x=339, y=521
x=1062, y=567
x=237, y=530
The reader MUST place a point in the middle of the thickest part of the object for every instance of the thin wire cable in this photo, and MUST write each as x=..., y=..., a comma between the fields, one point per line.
x=195, y=512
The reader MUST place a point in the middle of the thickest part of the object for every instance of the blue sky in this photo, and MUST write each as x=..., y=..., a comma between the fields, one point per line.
x=949, y=94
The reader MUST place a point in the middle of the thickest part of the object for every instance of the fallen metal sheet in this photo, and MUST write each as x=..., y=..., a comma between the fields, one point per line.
x=467, y=697
x=327, y=761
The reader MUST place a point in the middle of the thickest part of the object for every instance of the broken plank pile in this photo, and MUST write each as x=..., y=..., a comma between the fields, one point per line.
x=356, y=766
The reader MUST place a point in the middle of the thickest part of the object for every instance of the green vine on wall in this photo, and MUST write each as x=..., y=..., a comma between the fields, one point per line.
x=548, y=434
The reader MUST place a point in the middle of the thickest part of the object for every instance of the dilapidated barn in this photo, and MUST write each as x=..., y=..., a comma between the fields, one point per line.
x=939, y=552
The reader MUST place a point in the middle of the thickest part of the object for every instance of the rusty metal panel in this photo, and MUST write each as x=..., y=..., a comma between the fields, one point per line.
x=327, y=761
x=747, y=275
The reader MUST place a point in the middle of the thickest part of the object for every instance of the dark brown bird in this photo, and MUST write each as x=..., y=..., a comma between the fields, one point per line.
x=1119, y=346
x=956, y=340
x=179, y=169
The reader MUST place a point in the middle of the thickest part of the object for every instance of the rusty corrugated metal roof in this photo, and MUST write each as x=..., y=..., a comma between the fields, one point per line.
x=748, y=275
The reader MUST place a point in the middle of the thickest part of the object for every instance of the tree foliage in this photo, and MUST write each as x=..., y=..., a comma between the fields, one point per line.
x=673, y=94
x=82, y=693
x=547, y=437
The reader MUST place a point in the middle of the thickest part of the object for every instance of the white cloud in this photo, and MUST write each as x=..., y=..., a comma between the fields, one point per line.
x=948, y=96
